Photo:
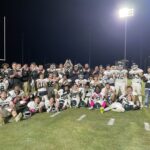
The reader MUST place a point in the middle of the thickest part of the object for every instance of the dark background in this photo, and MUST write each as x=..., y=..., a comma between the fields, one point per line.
x=53, y=30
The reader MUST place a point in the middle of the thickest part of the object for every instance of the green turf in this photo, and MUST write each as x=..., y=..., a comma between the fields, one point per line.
x=64, y=132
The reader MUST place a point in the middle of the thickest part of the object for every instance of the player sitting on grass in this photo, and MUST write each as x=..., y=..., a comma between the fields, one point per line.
x=87, y=94
x=130, y=100
x=96, y=100
x=6, y=110
x=19, y=100
x=81, y=82
x=35, y=105
x=75, y=96
x=63, y=97
x=42, y=92
x=108, y=92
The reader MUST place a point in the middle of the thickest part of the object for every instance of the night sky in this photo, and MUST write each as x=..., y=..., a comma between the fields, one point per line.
x=53, y=30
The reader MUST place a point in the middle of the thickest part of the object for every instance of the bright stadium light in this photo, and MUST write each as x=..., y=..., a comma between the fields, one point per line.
x=126, y=12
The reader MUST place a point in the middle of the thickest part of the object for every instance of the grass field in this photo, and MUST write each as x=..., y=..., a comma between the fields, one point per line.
x=65, y=132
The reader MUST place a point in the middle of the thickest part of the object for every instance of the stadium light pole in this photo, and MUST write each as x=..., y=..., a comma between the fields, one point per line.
x=124, y=13
x=4, y=57
x=4, y=38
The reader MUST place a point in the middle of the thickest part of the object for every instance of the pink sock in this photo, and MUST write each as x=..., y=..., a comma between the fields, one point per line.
x=32, y=110
x=104, y=104
x=92, y=103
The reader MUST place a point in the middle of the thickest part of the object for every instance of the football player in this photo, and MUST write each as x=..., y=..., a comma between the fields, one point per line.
x=108, y=92
x=64, y=97
x=108, y=76
x=75, y=96
x=6, y=109
x=136, y=75
x=35, y=105
x=87, y=94
x=147, y=87
x=120, y=76
x=3, y=83
x=130, y=99
x=96, y=100
x=42, y=91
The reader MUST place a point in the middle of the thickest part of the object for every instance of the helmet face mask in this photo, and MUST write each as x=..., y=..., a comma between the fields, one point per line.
x=26, y=114
x=53, y=109
x=73, y=103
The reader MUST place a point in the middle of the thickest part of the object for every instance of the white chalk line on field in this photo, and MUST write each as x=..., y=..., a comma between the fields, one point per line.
x=55, y=114
x=147, y=126
x=111, y=122
x=81, y=117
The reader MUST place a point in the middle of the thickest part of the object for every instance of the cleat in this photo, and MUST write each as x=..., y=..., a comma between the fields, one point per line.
x=101, y=110
x=90, y=108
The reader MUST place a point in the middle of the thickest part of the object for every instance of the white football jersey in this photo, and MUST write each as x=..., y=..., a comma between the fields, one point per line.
x=80, y=81
x=13, y=94
x=42, y=84
x=120, y=75
x=108, y=77
x=33, y=105
x=108, y=91
x=135, y=74
x=108, y=73
x=147, y=76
